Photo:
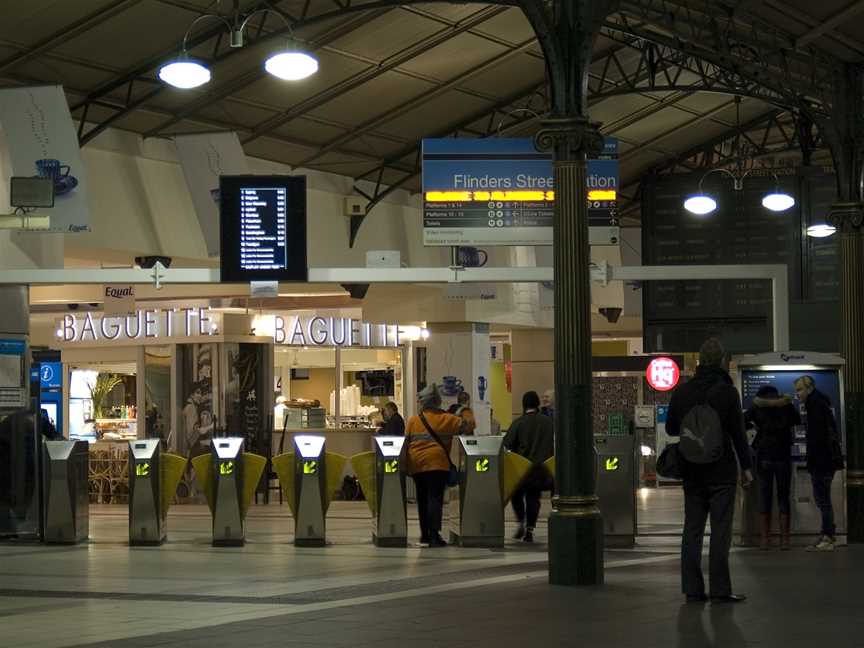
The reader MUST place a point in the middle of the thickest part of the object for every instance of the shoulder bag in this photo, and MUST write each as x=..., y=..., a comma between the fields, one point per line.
x=452, y=474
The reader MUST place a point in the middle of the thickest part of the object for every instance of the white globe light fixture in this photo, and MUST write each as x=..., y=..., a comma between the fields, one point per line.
x=700, y=204
x=184, y=73
x=821, y=230
x=291, y=64
x=778, y=202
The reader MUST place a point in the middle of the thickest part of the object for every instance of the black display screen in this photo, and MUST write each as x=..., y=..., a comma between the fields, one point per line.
x=263, y=228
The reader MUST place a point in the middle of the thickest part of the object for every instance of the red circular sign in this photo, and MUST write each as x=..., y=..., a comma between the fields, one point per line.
x=663, y=373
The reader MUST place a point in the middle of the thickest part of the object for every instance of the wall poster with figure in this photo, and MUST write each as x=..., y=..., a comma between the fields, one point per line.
x=248, y=396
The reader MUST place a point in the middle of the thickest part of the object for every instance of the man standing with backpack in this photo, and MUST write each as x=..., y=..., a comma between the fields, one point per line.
x=706, y=414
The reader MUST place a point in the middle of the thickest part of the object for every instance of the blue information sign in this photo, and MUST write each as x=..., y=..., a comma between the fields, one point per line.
x=501, y=191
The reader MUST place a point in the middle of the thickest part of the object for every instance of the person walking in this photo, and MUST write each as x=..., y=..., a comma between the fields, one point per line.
x=429, y=436
x=462, y=409
x=548, y=403
x=705, y=413
x=533, y=437
x=773, y=416
x=824, y=455
x=394, y=424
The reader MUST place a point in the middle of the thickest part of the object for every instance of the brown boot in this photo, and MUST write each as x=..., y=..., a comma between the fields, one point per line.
x=764, y=531
x=784, y=532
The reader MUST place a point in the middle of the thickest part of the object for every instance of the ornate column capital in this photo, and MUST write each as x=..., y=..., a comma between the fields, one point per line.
x=847, y=217
x=569, y=137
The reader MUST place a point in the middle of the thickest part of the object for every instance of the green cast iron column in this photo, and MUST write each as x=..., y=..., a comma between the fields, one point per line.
x=848, y=218
x=575, y=525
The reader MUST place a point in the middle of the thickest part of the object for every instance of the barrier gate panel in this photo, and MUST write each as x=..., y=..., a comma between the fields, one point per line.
x=67, y=504
x=390, y=523
x=228, y=528
x=479, y=521
x=146, y=517
x=311, y=491
x=616, y=487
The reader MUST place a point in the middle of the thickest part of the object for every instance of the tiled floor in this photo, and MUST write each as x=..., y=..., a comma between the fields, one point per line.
x=269, y=593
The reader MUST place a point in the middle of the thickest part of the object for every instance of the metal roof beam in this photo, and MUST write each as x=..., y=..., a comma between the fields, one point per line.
x=67, y=33
x=831, y=23
x=373, y=72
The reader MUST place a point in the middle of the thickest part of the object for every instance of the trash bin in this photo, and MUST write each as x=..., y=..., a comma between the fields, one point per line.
x=309, y=477
x=228, y=477
x=383, y=484
x=479, y=508
x=153, y=480
x=67, y=504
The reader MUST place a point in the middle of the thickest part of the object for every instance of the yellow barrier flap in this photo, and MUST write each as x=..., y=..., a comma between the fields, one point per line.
x=284, y=466
x=171, y=472
x=514, y=468
x=203, y=465
x=334, y=464
x=549, y=464
x=253, y=468
x=364, y=469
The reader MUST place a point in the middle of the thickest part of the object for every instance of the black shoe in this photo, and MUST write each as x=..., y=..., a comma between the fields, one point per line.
x=729, y=598
x=529, y=536
x=520, y=532
x=696, y=598
x=437, y=541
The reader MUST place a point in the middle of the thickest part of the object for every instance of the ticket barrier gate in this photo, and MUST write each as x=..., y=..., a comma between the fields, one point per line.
x=383, y=485
x=153, y=480
x=616, y=478
x=309, y=476
x=229, y=477
x=616, y=487
x=66, y=466
x=488, y=476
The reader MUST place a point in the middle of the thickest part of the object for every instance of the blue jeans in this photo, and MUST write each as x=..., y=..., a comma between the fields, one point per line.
x=770, y=471
x=822, y=494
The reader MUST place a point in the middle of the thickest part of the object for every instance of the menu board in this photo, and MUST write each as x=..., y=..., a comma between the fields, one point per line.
x=263, y=228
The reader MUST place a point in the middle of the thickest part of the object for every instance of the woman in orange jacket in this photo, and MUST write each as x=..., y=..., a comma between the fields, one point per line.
x=429, y=436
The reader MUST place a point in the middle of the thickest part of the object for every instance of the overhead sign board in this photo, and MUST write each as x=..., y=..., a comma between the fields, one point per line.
x=500, y=191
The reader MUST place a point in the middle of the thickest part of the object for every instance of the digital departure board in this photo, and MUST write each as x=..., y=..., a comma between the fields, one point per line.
x=263, y=228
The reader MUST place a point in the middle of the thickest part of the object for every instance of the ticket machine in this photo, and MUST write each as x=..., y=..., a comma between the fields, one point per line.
x=782, y=369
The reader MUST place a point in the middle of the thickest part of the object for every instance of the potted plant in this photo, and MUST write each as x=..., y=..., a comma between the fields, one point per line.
x=99, y=391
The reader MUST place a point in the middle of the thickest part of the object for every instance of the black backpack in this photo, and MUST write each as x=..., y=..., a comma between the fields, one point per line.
x=702, y=438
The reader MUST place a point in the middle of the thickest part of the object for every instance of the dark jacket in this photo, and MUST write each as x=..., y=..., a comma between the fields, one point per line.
x=723, y=397
x=821, y=433
x=533, y=436
x=773, y=419
x=394, y=426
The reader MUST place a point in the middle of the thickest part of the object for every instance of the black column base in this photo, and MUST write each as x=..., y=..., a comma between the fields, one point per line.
x=855, y=513
x=575, y=549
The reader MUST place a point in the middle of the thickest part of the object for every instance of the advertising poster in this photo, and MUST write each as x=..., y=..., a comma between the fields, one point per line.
x=39, y=139
x=204, y=158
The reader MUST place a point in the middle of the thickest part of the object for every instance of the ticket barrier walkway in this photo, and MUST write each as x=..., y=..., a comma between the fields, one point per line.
x=309, y=476
x=153, y=480
x=67, y=501
x=229, y=478
x=488, y=477
x=616, y=475
x=383, y=484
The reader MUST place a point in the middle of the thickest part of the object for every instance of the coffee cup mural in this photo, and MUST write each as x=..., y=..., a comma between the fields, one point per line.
x=451, y=386
x=482, y=384
x=472, y=257
x=59, y=172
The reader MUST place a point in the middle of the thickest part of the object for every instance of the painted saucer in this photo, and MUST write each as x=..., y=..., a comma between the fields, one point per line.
x=64, y=185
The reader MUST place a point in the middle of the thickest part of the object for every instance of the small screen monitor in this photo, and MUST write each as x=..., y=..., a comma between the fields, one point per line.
x=263, y=228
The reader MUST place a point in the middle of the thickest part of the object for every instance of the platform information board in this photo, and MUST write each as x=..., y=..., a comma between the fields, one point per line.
x=500, y=191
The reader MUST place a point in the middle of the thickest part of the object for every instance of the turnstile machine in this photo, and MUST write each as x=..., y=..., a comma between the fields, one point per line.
x=228, y=477
x=67, y=504
x=479, y=510
x=153, y=480
x=310, y=479
x=616, y=487
x=309, y=476
x=383, y=484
